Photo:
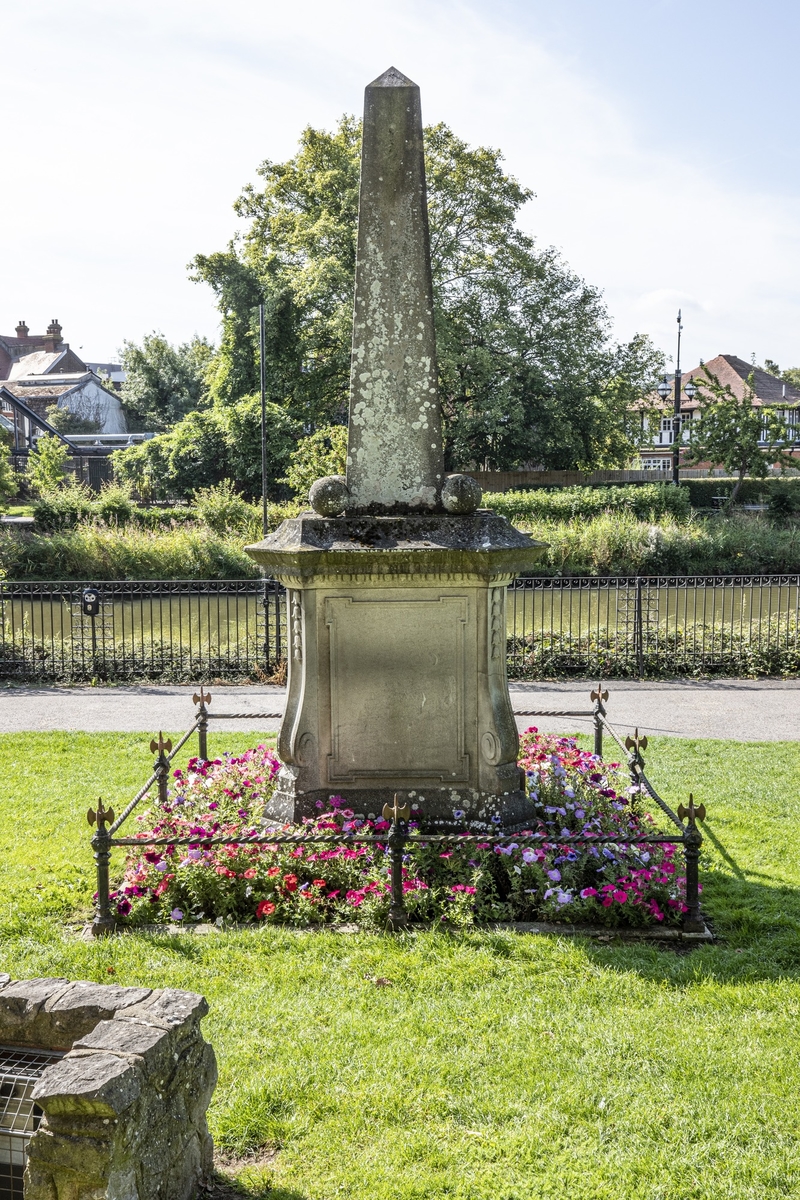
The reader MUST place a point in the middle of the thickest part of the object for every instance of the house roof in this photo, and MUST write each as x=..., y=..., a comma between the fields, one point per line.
x=45, y=387
x=41, y=362
x=734, y=372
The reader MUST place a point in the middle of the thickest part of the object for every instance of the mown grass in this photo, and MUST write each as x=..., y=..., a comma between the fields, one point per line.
x=490, y=1064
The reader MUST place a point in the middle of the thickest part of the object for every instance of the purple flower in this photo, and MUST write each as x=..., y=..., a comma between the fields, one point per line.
x=176, y=915
x=554, y=875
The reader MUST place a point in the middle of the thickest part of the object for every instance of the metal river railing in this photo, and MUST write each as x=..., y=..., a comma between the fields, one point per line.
x=180, y=630
x=105, y=839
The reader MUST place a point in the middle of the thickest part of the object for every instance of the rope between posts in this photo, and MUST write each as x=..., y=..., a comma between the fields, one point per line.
x=263, y=838
x=518, y=712
x=140, y=795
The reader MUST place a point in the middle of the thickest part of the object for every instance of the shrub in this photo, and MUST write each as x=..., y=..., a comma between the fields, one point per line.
x=648, y=501
x=114, y=504
x=222, y=508
x=63, y=508
x=47, y=464
x=626, y=882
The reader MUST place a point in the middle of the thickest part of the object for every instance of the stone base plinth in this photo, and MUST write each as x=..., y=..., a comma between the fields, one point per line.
x=397, y=669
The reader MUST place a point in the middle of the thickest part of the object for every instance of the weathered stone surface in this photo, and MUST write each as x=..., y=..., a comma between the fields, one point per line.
x=414, y=550
x=122, y=1037
x=124, y=1110
x=167, y=1008
x=75, y=1011
x=330, y=495
x=88, y=1084
x=394, y=451
x=461, y=494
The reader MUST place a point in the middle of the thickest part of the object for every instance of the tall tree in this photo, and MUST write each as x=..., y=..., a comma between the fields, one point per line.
x=527, y=369
x=164, y=382
x=732, y=431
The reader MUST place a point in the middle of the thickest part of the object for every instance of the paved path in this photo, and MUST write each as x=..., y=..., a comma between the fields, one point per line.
x=743, y=709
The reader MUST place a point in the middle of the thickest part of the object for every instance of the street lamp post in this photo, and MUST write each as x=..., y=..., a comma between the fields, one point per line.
x=263, y=366
x=663, y=391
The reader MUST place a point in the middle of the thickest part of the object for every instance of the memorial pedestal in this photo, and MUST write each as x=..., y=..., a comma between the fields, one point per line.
x=397, y=667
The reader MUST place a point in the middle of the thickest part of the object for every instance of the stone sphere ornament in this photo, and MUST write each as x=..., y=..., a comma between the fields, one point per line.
x=461, y=494
x=329, y=496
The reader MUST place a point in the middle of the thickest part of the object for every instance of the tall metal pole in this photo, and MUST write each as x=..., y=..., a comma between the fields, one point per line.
x=676, y=418
x=263, y=365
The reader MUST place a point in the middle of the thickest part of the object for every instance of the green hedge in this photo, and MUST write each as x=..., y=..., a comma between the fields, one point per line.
x=647, y=501
x=753, y=491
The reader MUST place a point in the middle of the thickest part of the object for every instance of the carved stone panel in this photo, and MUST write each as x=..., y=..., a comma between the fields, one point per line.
x=398, y=679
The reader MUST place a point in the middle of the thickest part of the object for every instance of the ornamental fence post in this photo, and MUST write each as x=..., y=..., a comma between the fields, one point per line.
x=396, y=841
x=598, y=696
x=161, y=749
x=103, y=922
x=202, y=723
x=692, y=841
x=635, y=745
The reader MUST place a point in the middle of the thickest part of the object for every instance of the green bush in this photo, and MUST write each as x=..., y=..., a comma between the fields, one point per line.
x=753, y=491
x=114, y=505
x=221, y=508
x=648, y=501
x=63, y=509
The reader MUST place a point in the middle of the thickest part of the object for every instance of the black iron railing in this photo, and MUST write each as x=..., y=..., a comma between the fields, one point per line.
x=179, y=630
x=105, y=839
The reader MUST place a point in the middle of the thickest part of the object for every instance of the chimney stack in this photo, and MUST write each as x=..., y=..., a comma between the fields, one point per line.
x=22, y=330
x=53, y=336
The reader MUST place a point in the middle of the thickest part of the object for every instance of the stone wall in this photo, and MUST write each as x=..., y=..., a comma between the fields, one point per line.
x=125, y=1108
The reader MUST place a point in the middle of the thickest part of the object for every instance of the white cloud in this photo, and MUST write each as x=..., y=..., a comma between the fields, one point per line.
x=136, y=125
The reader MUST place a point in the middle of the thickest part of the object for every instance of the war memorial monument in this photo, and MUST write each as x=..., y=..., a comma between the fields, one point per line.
x=397, y=580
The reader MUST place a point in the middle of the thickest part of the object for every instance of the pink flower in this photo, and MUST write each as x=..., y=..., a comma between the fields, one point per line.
x=587, y=892
x=620, y=897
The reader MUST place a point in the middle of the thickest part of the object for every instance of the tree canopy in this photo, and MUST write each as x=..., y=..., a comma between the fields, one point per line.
x=733, y=432
x=528, y=371
x=163, y=382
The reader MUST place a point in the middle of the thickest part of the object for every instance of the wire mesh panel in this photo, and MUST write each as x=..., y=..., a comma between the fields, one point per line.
x=19, y=1116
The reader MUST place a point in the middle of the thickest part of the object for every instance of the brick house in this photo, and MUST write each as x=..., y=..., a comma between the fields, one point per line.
x=655, y=452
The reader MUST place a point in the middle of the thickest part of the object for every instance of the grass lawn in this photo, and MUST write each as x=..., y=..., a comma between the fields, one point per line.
x=493, y=1066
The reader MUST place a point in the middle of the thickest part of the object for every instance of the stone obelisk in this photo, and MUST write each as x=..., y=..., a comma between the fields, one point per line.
x=394, y=451
x=396, y=582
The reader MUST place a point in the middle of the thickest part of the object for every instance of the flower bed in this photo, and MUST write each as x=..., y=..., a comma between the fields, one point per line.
x=616, y=883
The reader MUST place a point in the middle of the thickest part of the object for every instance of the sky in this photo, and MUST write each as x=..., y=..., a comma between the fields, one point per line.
x=658, y=135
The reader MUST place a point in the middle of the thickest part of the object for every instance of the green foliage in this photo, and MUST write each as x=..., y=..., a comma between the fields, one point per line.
x=321, y=453
x=106, y=552
x=9, y=480
x=47, y=464
x=64, y=508
x=647, y=501
x=783, y=502
x=114, y=504
x=164, y=382
x=67, y=422
x=702, y=492
x=222, y=442
x=527, y=371
x=732, y=432
x=615, y=542
x=693, y=1049
x=222, y=508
